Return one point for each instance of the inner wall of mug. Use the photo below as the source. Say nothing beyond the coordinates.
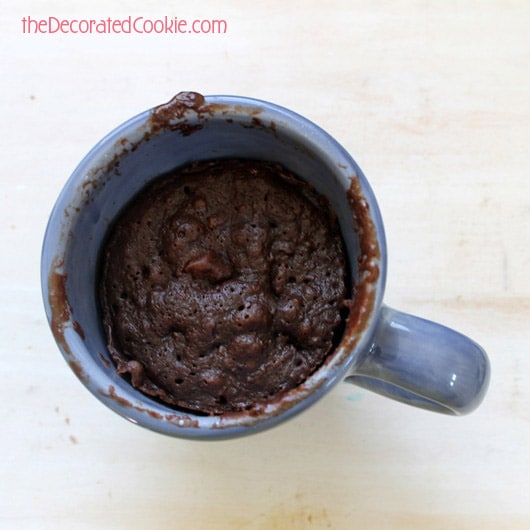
(115, 171)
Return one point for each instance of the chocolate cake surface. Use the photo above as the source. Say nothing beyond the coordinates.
(221, 285)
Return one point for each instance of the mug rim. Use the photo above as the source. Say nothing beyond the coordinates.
(187, 424)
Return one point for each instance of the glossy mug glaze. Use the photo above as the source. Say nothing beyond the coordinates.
(395, 354)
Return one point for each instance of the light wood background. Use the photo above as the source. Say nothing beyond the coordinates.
(433, 101)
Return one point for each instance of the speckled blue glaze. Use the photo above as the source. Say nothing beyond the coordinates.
(397, 355)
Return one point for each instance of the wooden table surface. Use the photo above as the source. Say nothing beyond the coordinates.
(433, 101)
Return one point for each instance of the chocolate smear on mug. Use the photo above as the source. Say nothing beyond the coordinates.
(368, 261)
(174, 114)
(60, 315)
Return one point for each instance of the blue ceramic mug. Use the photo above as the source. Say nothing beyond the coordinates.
(395, 354)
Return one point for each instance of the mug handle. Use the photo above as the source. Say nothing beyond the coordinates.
(424, 364)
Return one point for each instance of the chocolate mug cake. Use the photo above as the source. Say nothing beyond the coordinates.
(177, 279)
(222, 285)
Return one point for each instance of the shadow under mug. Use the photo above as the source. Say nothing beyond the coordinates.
(392, 353)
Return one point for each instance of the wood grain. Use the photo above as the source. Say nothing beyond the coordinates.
(432, 100)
